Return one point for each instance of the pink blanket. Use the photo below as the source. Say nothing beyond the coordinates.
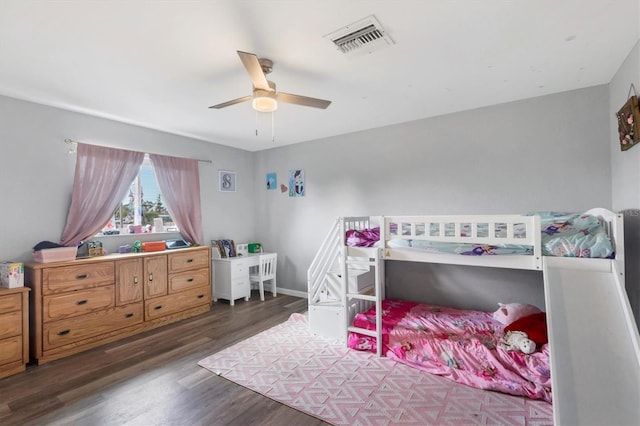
(461, 345)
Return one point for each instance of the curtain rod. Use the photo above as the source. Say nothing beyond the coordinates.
(71, 141)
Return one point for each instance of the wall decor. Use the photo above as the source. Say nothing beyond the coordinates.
(227, 181)
(296, 183)
(272, 181)
(629, 122)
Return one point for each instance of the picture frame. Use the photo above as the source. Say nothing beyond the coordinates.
(296, 183)
(271, 181)
(629, 123)
(227, 181)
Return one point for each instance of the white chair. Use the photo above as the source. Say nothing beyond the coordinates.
(266, 271)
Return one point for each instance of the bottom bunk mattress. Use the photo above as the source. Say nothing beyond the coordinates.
(462, 345)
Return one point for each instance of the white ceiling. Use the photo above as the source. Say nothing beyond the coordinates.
(161, 64)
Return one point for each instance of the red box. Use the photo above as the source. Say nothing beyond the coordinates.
(154, 246)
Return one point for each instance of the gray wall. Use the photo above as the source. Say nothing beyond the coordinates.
(626, 175)
(546, 153)
(37, 174)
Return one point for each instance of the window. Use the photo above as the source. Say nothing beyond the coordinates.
(139, 208)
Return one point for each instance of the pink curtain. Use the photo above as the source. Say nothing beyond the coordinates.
(179, 182)
(103, 176)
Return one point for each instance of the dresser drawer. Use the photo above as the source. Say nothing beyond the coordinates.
(10, 350)
(10, 324)
(188, 260)
(165, 305)
(74, 329)
(190, 279)
(76, 303)
(10, 303)
(77, 277)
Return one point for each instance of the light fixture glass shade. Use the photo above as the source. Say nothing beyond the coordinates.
(265, 104)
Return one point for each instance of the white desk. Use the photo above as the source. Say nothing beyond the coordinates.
(231, 277)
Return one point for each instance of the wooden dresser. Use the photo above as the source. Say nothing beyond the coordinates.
(14, 330)
(84, 303)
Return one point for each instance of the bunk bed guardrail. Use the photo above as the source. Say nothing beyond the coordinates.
(481, 230)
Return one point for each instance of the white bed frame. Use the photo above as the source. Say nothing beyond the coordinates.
(417, 228)
(607, 392)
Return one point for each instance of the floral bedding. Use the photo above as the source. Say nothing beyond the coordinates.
(461, 345)
(574, 235)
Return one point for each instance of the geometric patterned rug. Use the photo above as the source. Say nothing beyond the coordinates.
(327, 380)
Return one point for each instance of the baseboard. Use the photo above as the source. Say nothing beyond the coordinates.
(295, 293)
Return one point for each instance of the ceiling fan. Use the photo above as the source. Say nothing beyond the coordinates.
(264, 97)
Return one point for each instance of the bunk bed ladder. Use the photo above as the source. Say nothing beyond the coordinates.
(324, 285)
(341, 284)
(323, 282)
(360, 301)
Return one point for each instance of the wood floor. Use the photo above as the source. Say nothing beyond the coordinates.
(153, 378)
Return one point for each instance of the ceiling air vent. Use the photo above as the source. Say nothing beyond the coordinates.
(363, 36)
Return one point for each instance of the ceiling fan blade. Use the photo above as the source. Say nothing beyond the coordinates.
(302, 100)
(233, 102)
(252, 64)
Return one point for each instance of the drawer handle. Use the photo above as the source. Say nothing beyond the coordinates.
(81, 276)
(157, 307)
(189, 280)
(63, 332)
(135, 279)
(81, 302)
(189, 260)
(200, 296)
(129, 315)
(150, 277)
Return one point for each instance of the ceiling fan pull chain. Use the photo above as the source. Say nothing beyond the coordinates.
(256, 123)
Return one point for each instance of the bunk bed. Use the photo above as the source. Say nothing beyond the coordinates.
(591, 368)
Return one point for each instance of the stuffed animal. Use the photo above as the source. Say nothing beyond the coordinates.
(535, 325)
(510, 312)
(517, 341)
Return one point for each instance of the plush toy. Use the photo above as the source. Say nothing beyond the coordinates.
(510, 312)
(535, 325)
(517, 341)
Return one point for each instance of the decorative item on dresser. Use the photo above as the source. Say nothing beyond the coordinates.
(84, 303)
(14, 330)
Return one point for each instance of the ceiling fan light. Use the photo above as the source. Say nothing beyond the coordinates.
(265, 104)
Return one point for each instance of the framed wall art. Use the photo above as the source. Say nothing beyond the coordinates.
(296, 183)
(227, 181)
(272, 180)
(629, 123)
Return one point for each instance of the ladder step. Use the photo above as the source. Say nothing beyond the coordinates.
(362, 297)
(370, 333)
(329, 304)
(359, 262)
